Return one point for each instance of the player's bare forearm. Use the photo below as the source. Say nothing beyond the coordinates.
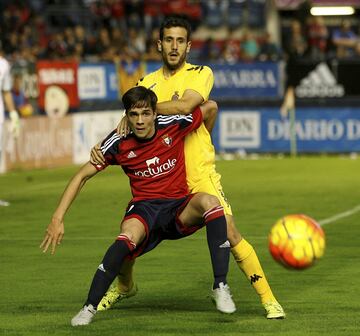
(209, 111)
(55, 230)
(185, 105)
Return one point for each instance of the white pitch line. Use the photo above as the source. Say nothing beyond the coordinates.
(339, 216)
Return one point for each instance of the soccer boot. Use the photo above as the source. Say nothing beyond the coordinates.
(113, 295)
(223, 300)
(274, 310)
(84, 316)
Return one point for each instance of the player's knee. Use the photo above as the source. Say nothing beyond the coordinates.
(209, 201)
(134, 230)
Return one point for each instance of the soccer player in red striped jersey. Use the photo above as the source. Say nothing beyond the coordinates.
(152, 156)
(180, 87)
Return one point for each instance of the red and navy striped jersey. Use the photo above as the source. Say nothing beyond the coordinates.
(155, 166)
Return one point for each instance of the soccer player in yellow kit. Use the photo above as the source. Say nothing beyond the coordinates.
(180, 87)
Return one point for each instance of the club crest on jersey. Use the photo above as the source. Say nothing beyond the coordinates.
(166, 140)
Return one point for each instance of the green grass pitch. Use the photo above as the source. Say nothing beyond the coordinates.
(40, 293)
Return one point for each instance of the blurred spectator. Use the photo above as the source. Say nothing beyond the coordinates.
(345, 40)
(69, 38)
(39, 31)
(191, 9)
(210, 51)
(103, 41)
(214, 12)
(118, 14)
(256, 13)
(235, 15)
(231, 51)
(129, 69)
(136, 42)
(295, 43)
(249, 47)
(134, 10)
(317, 37)
(25, 56)
(102, 12)
(152, 53)
(11, 44)
(57, 48)
(117, 38)
(77, 53)
(153, 14)
(21, 103)
(303, 12)
(269, 50)
(83, 40)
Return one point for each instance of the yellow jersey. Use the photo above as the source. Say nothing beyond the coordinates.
(199, 150)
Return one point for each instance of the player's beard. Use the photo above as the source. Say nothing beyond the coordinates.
(174, 66)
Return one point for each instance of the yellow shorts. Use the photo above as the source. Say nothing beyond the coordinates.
(212, 186)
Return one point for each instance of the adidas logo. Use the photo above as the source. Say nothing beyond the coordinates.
(101, 268)
(131, 155)
(225, 245)
(320, 82)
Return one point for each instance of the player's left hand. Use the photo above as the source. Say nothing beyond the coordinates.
(15, 123)
(123, 128)
(54, 235)
(96, 156)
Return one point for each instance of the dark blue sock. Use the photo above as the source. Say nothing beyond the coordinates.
(219, 246)
(108, 270)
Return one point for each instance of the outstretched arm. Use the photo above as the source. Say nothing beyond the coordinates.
(55, 230)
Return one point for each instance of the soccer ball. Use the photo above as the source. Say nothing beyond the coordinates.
(296, 241)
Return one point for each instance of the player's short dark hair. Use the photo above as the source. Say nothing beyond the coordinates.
(175, 20)
(139, 96)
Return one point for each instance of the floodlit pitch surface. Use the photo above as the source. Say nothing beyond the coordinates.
(41, 293)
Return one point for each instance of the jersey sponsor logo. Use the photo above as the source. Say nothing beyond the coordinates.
(166, 140)
(156, 168)
(155, 160)
(131, 155)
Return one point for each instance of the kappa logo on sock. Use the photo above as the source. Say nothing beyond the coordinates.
(225, 245)
(254, 278)
(101, 268)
